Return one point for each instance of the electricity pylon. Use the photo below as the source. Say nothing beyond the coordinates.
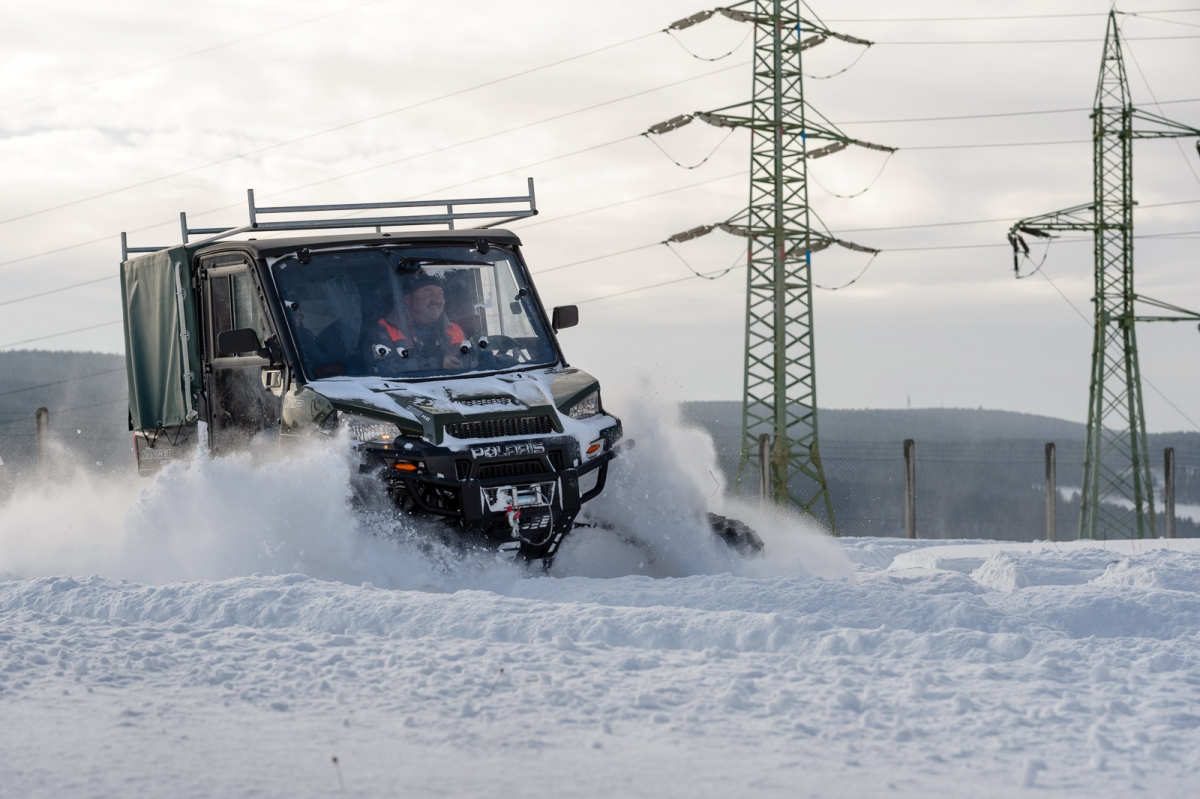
(780, 386)
(1117, 496)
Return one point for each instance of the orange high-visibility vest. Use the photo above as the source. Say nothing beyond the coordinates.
(396, 334)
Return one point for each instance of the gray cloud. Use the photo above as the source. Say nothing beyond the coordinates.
(944, 326)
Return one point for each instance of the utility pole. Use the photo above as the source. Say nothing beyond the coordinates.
(1117, 496)
(779, 382)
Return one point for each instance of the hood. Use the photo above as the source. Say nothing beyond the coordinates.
(427, 407)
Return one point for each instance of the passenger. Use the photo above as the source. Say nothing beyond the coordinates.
(417, 336)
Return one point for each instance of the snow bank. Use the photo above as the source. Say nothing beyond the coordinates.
(912, 683)
(241, 627)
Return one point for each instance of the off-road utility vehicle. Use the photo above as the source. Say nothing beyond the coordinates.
(428, 349)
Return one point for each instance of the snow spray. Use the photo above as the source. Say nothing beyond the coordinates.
(272, 510)
(261, 511)
(651, 518)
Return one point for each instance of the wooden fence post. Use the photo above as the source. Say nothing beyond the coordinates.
(910, 488)
(1169, 490)
(1051, 494)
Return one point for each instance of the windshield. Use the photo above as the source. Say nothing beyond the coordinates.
(411, 312)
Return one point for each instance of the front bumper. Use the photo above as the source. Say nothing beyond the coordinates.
(545, 480)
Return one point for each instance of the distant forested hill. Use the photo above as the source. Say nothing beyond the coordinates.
(980, 473)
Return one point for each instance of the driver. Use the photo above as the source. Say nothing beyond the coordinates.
(419, 327)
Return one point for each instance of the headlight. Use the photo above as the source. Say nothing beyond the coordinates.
(367, 430)
(587, 407)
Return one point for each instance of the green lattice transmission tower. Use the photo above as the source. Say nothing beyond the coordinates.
(780, 387)
(1117, 495)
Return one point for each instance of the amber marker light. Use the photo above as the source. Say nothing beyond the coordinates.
(405, 467)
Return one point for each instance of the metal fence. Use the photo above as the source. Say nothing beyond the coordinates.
(993, 490)
(963, 489)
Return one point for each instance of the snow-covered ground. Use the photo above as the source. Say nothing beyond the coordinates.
(240, 629)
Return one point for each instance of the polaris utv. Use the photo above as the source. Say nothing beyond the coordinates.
(428, 349)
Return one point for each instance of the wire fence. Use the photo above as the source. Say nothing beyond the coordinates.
(992, 490)
(964, 489)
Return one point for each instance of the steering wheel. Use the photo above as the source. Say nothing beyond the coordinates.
(506, 347)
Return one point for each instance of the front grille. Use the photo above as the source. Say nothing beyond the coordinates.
(462, 469)
(510, 469)
(556, 460)
(488, 401)
(500, 428)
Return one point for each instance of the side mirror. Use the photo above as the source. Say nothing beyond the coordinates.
(235, 342)
(565, 316)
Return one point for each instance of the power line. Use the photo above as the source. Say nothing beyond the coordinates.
(60, 382)
(192, 54)
(1159, 105)
(54, 411)
(443, 188)
(992, 116)
(60, 288)
(1088, 322)
(1142, 15)
(636, 199)
(56, 335)
(325, 131)
(988, 221)
(597, 258)
(659, 285)
(1016, 16)
(380, 166)
(994, 144)
(1041, 41)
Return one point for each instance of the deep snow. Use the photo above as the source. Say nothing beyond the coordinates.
(241, 628)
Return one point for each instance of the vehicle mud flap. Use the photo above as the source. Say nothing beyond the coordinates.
(740, 538)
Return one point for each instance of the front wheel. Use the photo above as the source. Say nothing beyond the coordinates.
(737, 535)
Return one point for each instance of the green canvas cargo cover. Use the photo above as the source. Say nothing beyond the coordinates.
(161, 344)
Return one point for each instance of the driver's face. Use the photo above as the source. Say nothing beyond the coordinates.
(425, 304)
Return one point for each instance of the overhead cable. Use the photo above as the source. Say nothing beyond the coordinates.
(843, 70)
(702, 275)
(192, 54)
(1041, 41)
(1158, 105)
(333, 129)
(60, 288)
(992, 116)
(635, 199)
(1143, 15)
(61, 382)
(699, 57)
(653, 286)
(852, 281)
(344, 175)
(1015, 16)
(863, 191)
(699, 163)
(56, 335)
(59, 411)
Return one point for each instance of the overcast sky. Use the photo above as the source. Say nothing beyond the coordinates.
(90, 108)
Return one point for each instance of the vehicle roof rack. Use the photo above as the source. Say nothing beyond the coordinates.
(518, 207)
